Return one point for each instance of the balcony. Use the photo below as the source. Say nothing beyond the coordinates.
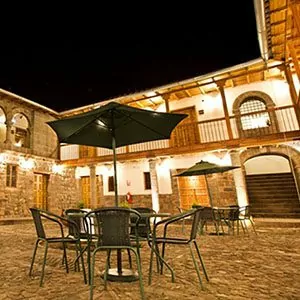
(262, 127)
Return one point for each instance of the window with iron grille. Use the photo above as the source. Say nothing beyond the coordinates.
(254, 120)
(147, 181)
(11, 175)
(21, 139)
(111, 185)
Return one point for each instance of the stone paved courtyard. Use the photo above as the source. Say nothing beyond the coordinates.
(266, 266)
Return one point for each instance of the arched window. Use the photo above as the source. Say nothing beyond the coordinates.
(20, 129)
(255, 114)
(2, 126)
(251, 121)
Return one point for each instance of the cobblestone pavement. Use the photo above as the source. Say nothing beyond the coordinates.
(263, 266)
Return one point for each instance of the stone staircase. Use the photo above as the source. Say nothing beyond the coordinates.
(273, 195)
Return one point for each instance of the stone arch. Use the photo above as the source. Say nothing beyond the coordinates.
(3, 127)
(20, 111)
(20, 127)
(269, 104)
(286, 151)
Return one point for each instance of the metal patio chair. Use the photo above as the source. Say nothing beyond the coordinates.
(112, 226)
(187, 240)
(44, 238)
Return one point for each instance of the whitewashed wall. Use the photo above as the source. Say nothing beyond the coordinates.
(278, 90)
(267, 164)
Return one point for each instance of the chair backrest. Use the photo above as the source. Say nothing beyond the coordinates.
(196, 217)
(111, 225)
(77, 215)
(245, 211)
(144, 228)
(40, 216)
(36, 215)
(234, 213)
(207, 213)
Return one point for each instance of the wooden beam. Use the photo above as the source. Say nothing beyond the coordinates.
(188, 93)
(293, 92)
(197, 84)
(202, 90)
(278, 9)
(296, 16)
(225, 108)
(294, 58)
(278, 22)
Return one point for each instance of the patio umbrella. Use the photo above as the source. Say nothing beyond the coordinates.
(114, 125)
(204, 168)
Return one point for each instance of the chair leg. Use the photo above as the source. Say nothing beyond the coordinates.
(244, 226)
(162, 261)
(65, 259)
(162, 255)
(201, 260)
(150, 266)
(92, 274)
(252, 223)
(33, 257)
(129, 258)
(81, 251)
(196, 266)
(107, 265)
(216, 227)
(44, 263)
(138, 262)
(76, 263)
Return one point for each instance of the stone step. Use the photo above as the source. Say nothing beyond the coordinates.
(279, 221)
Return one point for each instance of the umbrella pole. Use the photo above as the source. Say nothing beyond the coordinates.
(119, 254)
(209, 194)
(115, 169)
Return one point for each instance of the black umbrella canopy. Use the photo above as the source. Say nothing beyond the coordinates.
(113, 121)
(204, 167)
(114, 125)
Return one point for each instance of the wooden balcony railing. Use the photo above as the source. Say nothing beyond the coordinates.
(269, 122)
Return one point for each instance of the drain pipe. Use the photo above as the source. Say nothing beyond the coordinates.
(259, 9)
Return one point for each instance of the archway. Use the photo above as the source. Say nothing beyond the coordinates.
(271, 186)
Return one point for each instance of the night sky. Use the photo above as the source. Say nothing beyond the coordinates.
(65, 68)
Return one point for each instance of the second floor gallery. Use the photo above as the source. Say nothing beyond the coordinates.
(246, 115)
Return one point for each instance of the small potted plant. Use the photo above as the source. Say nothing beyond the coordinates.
(80, 205)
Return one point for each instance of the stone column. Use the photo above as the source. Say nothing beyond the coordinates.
(9, 135)
(93, 186)
(154, 185)
(239, 180)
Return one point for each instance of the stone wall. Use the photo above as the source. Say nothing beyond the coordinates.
(222, 189)
(43, 141)
(62, 190)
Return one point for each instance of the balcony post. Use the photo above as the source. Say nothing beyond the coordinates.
(225, 108)
(93, 186)
(292, 89)
(154, 185)
(166, 98)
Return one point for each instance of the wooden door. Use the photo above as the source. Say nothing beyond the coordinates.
(87, 151)
(186, 133)
(40, 190)
(85, 182)
(193, 190)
